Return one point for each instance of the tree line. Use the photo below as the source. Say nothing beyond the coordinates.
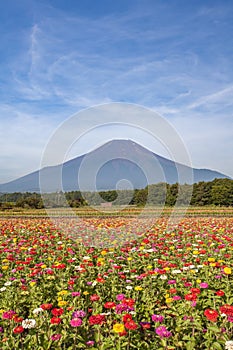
(218, 192)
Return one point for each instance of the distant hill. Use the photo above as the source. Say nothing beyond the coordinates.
(125, 160)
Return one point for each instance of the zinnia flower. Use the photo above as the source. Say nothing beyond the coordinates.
(163, 332)
(18, 329)
(29, 323)
(212, 315)
(55, 337)
(157, 318)
(76, 322)
(118, 328)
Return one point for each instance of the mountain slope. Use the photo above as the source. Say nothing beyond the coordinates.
(105, 167)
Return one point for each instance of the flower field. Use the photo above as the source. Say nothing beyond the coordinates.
(166, 289)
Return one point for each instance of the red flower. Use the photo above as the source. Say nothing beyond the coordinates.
(127, 318)
(227, 310)
(17, 319)
(220, 293)
(172, 291)
(129, 302)
(100, 279)
(94, 297)
(212, 315)
(96, 319)
(195, 290)
(131, 325)
(57, 312)
(18, 329)
(109, 305)
(46, 306)
(191, 297)
(55, 320)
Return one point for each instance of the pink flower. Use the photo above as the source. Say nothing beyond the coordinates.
(76, 322)
(204, 285)
(75, 294)
(8, 315)
(55, 336)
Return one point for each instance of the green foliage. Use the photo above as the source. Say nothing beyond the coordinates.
(218, 192)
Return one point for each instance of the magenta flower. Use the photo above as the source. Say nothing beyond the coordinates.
(162, 332)
(76, 322)
(90, 343)
(78, 314)
(176, 297)
(171, 282)
(120, 297)
(7, 315)
(157, 318)
(75, 294)
(55, 337)
(204, 285)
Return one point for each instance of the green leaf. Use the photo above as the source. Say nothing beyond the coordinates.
(190, 345)
(216, 346)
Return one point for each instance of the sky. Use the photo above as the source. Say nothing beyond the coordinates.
(59, 57)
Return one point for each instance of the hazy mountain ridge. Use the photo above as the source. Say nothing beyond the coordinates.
(121, 159)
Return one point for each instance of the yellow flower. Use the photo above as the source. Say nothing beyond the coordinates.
(62, 303)
(149, 266)
(32, 284)
(227, 270)
(62, 292)
(50, 277)
(118, 327)
(195, 252)
(43, 266)
(169, 300)
(103, 252)
(86, 292)
(49, 258)
(24, 292)
(129, 258)
(189, 248)
(167, 296)
(172, 247)
(211, 259)
(5, 267)
(166, 268)
(59, 298)
(198, 281)
(138, 288)
(5, 260)
(212, 264)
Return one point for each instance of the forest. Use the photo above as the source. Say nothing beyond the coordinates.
(218, 192)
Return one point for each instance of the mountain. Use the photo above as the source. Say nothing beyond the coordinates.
(111, 162)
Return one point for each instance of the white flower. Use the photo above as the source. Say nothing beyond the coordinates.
(129, 287)
(176, 271)
(29, 323)
(2, 289)
(86, 258)
(94, 284)
(229, 345)
(163, 277)
(8, 283)
(37, 310)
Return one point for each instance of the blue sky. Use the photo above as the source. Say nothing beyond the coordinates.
(58, 57)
